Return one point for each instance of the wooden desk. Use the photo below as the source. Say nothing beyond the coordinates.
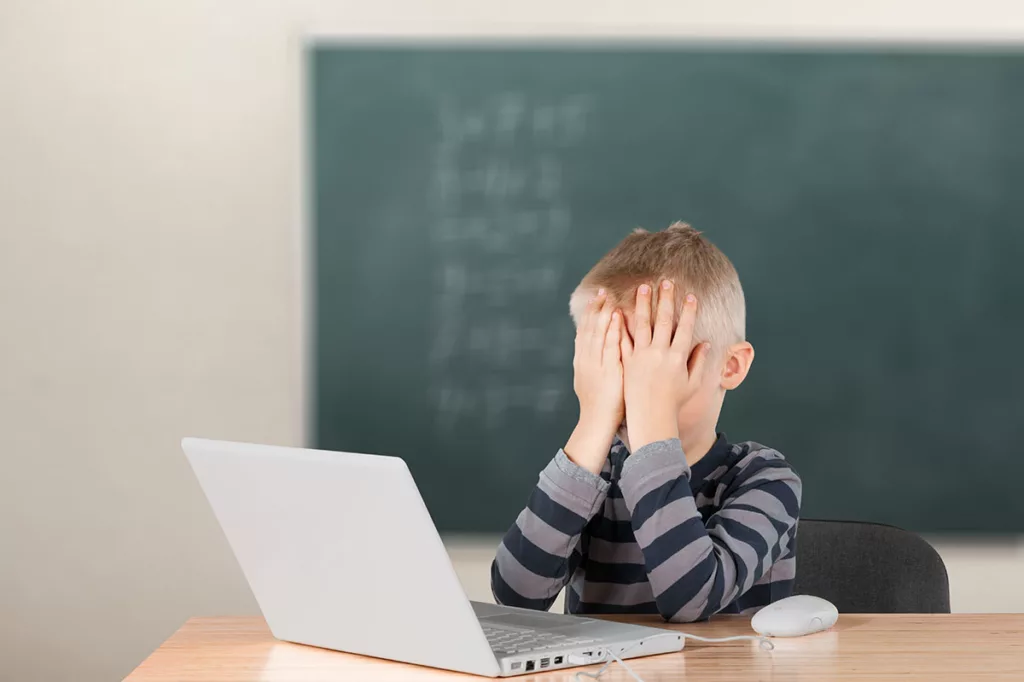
(958, 648)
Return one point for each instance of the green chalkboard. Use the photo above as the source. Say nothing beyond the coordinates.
(872, 201)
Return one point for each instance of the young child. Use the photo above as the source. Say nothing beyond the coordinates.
(647, 509)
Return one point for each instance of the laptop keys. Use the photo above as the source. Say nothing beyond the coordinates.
(519, 641)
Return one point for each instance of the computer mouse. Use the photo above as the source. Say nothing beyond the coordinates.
(794, 616)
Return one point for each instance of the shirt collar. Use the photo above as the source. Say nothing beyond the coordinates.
(715, 457)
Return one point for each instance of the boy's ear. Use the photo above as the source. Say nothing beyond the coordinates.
(738, 359)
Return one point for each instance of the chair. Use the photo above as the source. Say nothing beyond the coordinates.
(869, 568)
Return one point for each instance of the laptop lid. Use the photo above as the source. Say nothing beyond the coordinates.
(340, 552)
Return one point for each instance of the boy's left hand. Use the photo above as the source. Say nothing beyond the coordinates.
(660, 372)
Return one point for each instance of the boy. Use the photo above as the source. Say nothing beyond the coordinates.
(647, 509)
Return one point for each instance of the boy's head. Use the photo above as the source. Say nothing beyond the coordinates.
(695, 265)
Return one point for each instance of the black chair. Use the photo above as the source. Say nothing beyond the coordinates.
(869, 568)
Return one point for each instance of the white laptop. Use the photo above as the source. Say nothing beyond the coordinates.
(341, 553)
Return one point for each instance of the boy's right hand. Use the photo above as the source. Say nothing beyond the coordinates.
(597, 380)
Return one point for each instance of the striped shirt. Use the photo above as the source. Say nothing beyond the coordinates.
(652, 535)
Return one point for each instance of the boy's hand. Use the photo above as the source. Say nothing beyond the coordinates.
(661, 372)
(597, 380)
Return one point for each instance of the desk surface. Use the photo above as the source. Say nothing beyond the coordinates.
(861, 647)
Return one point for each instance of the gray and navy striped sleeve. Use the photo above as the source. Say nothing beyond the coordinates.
(696, 568)
(539, 552)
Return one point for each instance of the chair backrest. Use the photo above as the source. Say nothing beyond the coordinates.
(869, 568)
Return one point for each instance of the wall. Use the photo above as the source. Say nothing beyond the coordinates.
(150, 284)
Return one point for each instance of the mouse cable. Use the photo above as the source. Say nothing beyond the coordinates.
(763, 642)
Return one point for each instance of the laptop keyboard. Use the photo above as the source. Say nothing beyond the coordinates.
(516, 641)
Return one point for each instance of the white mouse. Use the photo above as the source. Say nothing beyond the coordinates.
(794, 616)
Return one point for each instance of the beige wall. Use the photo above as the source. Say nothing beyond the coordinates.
(150, 288)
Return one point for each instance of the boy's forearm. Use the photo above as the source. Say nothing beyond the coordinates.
(694, 569)
(539, 552)
(656, 489)
(590, 442)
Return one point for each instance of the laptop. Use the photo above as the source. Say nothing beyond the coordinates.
(341, 553)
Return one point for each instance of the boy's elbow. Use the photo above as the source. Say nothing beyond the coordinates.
(690, 613)
(692, 599)
(504, 593)
(497, 585)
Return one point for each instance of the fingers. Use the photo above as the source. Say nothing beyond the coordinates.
(683, 340)
(665, 316)
(625, 342)
(612, 351)
(602, 320)
(698, 359)
(642, 337)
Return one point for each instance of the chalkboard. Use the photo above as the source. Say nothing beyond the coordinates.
(872, 201)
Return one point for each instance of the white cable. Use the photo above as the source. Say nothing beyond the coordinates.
(609, 652)
(763, 642)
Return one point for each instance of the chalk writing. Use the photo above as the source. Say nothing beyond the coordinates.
(500, 225)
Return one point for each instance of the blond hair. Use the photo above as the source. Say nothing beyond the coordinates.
(681, 254)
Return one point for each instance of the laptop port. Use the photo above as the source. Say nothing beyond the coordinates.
(516, 665)
(529, 666)
(558, 660)
(545, 662)
(587, 653)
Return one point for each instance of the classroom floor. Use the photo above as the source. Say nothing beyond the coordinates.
(984, 576)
